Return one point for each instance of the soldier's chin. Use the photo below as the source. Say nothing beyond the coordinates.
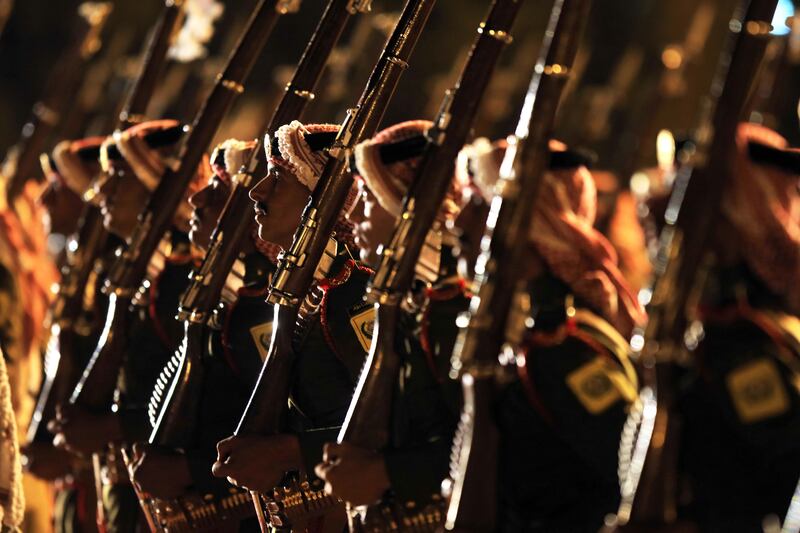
(263, 233)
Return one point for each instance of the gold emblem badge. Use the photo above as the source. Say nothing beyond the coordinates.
(362, 320)
(757, 391)
(262, 335)
(597, 385)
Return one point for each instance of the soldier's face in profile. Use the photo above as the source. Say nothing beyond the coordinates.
(373, 224)
(279, 201)
(207, 204)
(122, 198)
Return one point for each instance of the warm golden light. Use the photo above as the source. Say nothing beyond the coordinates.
(665, 149)
(672, 57)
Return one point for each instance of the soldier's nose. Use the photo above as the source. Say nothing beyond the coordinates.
(257, 192)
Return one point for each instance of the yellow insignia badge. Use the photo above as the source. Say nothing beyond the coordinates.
(757, 391)
(363, 324)
(594, 385)
(262, 335)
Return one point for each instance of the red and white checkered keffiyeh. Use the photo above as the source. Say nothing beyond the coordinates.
(478, 165)
(229, 156)
(390, 182)
(763, 205)
(563, 235)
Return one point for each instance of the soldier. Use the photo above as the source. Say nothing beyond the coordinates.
(42, 459)
(239, 337)
(742, 406)
(329, 346)
(153, 334)
(73, 166)
(570, 383)
(425, 415)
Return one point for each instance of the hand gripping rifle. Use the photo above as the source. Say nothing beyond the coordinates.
(474, 470)
(95, 389)
(178, 417)
(296, 268)
(61, 86)
(648, 467)
(92, 240)
(367, 422)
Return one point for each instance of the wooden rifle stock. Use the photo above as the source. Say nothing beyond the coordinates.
(61, 86)
(128, 272)
(296, 268)
(367, 421)
(178, 415)
(473, 492)
(694, 206)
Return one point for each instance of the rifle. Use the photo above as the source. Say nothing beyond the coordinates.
(472, 490)
(178, 416)
(297, 267)
(95, 388)
(63, 83)
(92, 241)
(154, 60)
(647, 480)
(367, 422)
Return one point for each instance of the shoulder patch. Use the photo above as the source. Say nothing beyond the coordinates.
(362, 320)
(262, 336)
(757, 391)
(598, 386)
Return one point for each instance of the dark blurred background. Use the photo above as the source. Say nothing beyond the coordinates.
(645, 65)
